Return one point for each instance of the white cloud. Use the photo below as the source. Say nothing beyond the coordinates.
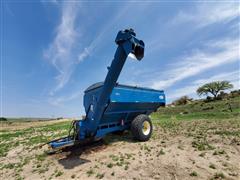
(60, 101)
(59, 52)
(215, 53)
(230, 76)
(97, 40)
(233, 77)
(199, 61)
(85, 53)
(207, 13)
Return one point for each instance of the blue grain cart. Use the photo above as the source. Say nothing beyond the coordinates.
(112, 107)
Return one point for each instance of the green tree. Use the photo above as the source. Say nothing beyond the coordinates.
(214, 88)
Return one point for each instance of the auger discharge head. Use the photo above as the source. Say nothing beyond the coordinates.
(137, 46)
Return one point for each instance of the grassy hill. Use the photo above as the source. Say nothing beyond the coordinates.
(199, 109)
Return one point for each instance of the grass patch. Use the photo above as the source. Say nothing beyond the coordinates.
(229, 133)
(169, 117)
(194, 173)
(219, 152)
(31, 136)
(100, 175)
(90, 172)
(161, 152)
(219, 176)
(114, 157)
(212, 166)
(110, 165)
(58, 173)
(202, 154)
(41, 157)
(202, 145)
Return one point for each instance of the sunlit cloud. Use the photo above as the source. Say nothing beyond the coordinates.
(60, 50)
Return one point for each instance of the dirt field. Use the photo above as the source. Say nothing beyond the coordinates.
(18, 125)
(196, 149)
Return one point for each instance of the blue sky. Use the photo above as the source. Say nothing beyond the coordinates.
(52, 50)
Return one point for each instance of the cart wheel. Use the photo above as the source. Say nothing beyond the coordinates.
(141, 127)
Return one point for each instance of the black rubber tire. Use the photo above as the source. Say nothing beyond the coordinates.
(136, 127)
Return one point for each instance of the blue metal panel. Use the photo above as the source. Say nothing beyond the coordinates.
(124, 94)
(127, 94)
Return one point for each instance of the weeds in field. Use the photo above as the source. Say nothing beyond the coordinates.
(8, 166)
(202, 145)
(212, 166)
(41, 157)
(114, 157)
(194, 173)
(90, 172)
(219, 176)
(31, 136)
(18, 177)
(146, 148)
(224, 164)
(96, 167)
(44, 169)
(109, 165)
(235, 133)
(58, 173)
(100, 175)
(202, 154)
(219, 152)
(161, 152)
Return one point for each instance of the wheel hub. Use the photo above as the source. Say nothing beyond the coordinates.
(146, 128)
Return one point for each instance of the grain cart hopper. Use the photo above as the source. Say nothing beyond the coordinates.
(112, 107)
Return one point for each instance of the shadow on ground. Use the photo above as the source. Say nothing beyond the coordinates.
(70, 157)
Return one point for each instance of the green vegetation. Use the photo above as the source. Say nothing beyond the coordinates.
(99, 175)
(212, 166)
(199, 109)
(219, 152)
(110, 165)
(202, 145)
(31, 136)
(58, 173)
(214, 88)
(161, 152)
(90, 172)
(194, 173)
(219, 175)
(120, 160)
